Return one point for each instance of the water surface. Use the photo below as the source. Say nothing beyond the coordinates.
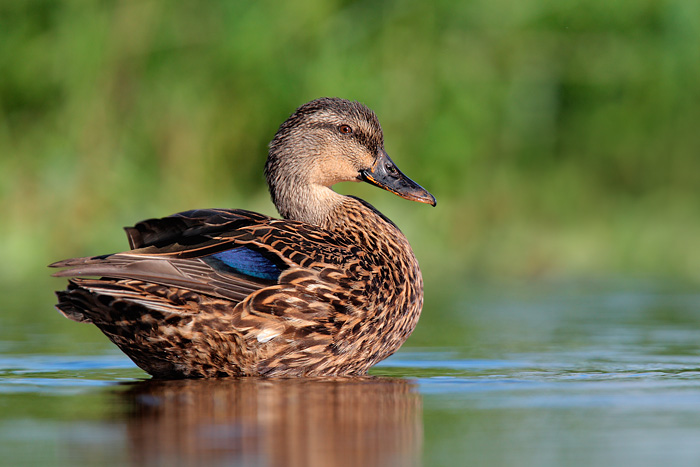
(509, 375)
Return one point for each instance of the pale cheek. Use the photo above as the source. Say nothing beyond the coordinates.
(335, 170)
(341, 173)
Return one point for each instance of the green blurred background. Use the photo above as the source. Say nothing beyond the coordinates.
(561, 138)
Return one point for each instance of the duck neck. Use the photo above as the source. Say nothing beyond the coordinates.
(308, 203)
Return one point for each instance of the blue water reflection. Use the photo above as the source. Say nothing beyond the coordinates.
(528, 378)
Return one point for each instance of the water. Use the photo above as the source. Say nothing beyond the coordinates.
(512, 375)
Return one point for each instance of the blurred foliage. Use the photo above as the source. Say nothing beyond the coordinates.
(559, 137)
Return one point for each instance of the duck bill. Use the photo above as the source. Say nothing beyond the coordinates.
(385, 174)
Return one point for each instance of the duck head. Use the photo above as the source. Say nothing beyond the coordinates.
(324, 142)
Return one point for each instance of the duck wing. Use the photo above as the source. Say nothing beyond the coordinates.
(228, 254)
(191, 227)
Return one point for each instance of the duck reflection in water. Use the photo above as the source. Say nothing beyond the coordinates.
(254, 421)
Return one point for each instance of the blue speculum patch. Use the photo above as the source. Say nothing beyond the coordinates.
(244, 261)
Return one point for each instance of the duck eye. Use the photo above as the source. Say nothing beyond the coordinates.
(345, 129)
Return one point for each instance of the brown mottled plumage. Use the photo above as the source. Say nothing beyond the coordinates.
(331, 289)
